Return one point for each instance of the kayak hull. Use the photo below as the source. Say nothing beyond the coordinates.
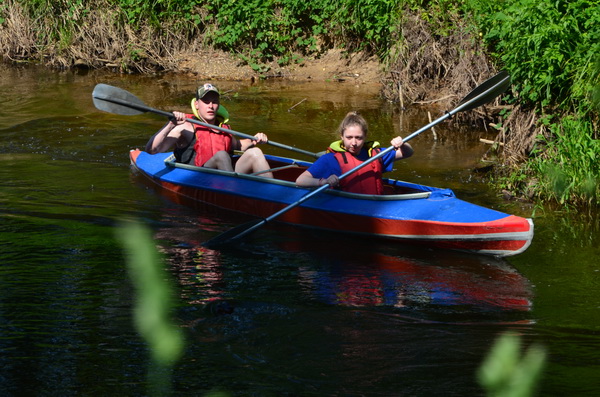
(409, 213)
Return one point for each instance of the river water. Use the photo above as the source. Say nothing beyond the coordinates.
(287, 313)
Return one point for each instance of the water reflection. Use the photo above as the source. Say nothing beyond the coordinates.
(384, 280)
(317, 313)
(432, 285)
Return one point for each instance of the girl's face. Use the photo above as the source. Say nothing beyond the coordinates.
(353, 139)
(207, 107)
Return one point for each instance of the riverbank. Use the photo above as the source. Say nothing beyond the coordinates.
(419, 55)
(210, 64)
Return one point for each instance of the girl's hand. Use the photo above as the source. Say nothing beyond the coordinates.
(397, 142)
(332, 180)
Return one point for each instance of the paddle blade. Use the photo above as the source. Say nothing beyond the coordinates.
(116, 100)
(487, 91)
(233, 235)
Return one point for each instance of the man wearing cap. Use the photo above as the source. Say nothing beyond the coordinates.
(206, 147)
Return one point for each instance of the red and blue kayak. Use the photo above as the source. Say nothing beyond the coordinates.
(406, 212)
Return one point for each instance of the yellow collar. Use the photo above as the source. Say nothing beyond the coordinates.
(222, 113)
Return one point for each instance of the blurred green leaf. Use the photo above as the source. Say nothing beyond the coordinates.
(152, 312)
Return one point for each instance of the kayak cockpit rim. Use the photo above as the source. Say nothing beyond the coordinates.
(170, 162)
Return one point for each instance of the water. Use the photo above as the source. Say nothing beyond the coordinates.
(287, 313)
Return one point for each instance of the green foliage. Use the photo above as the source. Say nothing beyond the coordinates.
(505, 374)
(259, 30)
(571, 164)
(153, 304)
(548, 47)
(566, 170)
(264, 30)
(441, 15)
(156, 13)
(57, 18)
(369, 24)
(596, 87)
(552, 51)
(264, 34)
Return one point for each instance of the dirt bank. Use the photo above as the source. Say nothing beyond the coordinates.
(332, 66)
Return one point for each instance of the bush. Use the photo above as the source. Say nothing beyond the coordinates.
(552, 51)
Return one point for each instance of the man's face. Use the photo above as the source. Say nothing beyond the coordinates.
(207, 106)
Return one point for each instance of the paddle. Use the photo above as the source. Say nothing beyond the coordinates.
(482, 94)
(118, 101)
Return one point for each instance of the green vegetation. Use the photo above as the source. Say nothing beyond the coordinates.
(154, 294)
(505, 374)
(262, 30)
(550, 48)
(265, 30)
(152, 310)
(552, 51)
(259, 30)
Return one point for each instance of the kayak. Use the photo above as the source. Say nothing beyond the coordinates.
(406, 212)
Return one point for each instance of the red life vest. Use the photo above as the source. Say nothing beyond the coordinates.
(366, 180)
(208, 142)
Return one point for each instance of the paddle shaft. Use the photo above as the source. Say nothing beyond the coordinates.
(477, 97)
(144, 108)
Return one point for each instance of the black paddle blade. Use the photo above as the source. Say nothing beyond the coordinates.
(116, 100)
(488, 90)
(233, 235)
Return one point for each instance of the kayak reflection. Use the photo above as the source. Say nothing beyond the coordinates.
(336, 271)
(367, 275)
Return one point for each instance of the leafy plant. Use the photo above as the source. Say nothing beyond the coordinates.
(544, 44)
(154, 296)
(571, 164)
(552, 51)
(265, 30)
(504, 373)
